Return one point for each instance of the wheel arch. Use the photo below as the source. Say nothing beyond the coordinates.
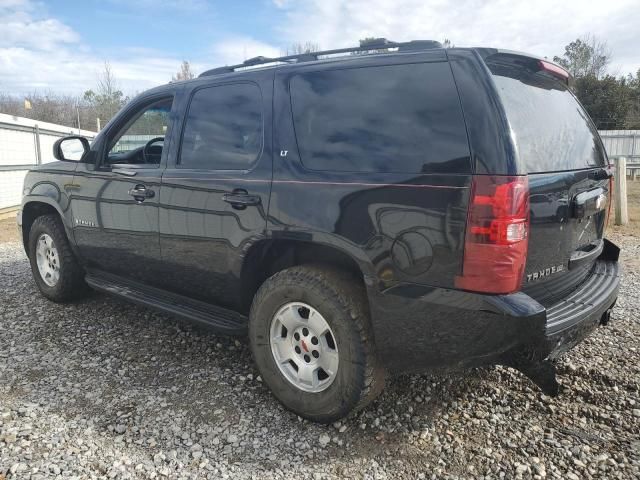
(269, 256)
(36, 207)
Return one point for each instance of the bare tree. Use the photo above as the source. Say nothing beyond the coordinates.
(107, 84)
(49, 107)
(11, 105)
(585, 57)
(185, 72)
(447, 43)
(44, 106)
(107, 99)
(299, 48)
(70, 110)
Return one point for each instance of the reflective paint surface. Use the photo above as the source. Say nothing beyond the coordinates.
(402, 232)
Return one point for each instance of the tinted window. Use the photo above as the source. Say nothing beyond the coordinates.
(552, 131)
(223, 129)
(401, 118)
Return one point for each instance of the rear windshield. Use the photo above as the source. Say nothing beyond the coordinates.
(552, 131)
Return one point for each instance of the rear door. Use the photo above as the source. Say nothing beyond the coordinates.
(559, 147)
(377, 163)
(214, 197)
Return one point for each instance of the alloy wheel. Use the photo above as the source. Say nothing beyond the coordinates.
(304, 347)
(48, 260)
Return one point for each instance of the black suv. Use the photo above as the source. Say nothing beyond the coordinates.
(396, 207)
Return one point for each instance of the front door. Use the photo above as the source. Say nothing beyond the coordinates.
(214, 199)
(115, 199)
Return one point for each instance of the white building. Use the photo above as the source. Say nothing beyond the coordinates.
(25, 143)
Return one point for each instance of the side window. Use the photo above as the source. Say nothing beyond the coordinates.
(141, 140)
(395, 118)
(223, 128)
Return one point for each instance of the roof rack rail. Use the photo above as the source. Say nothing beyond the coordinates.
(369, 45)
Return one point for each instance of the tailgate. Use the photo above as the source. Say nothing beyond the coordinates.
(559, 148)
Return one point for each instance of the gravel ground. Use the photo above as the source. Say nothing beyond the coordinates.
(104, 389)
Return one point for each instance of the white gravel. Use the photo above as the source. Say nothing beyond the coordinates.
(105, 389)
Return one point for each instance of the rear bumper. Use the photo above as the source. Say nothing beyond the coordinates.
(419, 328)
(571, 319)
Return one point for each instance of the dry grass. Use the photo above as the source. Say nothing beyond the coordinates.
(633, 204)
(9, 230)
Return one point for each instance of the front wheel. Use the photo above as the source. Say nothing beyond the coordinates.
(312, 343)
(54, 266)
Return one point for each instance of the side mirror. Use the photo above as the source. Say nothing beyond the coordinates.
(71, 148)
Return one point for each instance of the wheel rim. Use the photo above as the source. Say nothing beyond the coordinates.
(304, 347)
(48, 260)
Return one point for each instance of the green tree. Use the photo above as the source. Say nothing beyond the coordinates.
(607, 100)
(586, 56)
(612, 103)
(632, 121)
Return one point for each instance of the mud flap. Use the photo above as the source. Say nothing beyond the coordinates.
(541, 371)
(543, 374)
(606, 316)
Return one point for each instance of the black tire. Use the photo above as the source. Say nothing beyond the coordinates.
(341, 299)
(71, 284)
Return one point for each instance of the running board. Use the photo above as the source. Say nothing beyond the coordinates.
(220, 319)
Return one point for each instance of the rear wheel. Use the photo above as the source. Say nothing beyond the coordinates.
(311, 340)
(53, 264)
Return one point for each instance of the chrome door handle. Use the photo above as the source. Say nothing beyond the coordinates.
(240, 199)
(140, 193)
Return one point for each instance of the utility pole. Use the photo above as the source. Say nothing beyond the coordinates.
(78, 114)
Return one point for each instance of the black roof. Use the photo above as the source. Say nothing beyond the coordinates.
(371, 46)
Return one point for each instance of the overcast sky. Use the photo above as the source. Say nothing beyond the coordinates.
(61, 45)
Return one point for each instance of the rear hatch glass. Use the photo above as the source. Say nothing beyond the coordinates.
(560, 150)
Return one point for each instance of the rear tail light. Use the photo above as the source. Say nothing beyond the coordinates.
(554, 70)
(496, 240)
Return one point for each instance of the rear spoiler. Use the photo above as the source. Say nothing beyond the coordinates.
(525, 60)
(555, 70)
